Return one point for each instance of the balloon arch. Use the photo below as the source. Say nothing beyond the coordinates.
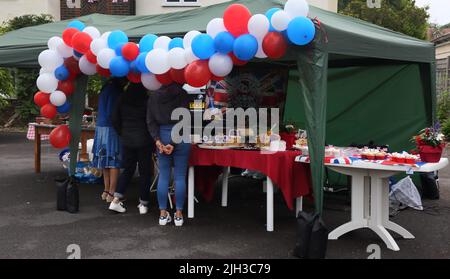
(195, 59)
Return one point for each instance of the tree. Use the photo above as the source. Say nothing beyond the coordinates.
(22, 82)
(399, 15)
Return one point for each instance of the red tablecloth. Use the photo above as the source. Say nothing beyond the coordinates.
(293, 179)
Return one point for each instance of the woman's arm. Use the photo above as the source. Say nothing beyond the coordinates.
(152, 125)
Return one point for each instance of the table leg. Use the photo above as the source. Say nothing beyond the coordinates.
(37, 150)
(269, 205)
(226, 171)
(298, 205)
(367, 197)
(377, 210)
(84, 155)
(358, 221)
(386, 223)
(191, 201)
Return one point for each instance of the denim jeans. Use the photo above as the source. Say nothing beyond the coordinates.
(179, 161)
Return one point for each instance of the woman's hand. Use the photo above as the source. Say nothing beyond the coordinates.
(159, 146)
(168, 149)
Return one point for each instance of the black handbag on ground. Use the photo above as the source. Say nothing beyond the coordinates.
(430, 186)
(67, 195)
(312, 236)
(61, 192)
(73, 196)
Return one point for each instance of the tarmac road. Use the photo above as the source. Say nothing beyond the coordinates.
(30, 227)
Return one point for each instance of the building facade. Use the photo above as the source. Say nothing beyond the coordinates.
(67, 9)
(443, 63)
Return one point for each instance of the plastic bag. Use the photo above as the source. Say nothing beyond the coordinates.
(312, 237)
(405, 193)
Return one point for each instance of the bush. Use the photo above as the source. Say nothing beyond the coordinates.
(443, 107)
(446, 129)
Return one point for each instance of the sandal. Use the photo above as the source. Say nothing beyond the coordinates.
(109, 198)
(105, 195)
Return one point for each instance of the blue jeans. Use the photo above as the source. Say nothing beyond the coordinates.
(179, 160)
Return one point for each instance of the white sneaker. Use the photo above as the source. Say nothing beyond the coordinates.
(117, 207)
(142, 209)
(165, 220)
(178, 220)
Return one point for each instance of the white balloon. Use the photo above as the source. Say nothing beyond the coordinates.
(215, 26)
(157, 61)
(105, 56)
(54, 42)
(50, 59)
(150, 82)
(97, 45)
(65, 50)
(258, 25)
(280, 20)
(177, 58)
(92, 31)
(58, 98)
(260, 53)
(162, 42)
(105, 36)
(296, 8)
(45, 71)
(187, 40)
(87, 67)
(220, 64)
(47, 83)
(190, 56)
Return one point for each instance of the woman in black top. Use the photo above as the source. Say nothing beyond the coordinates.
(160, 107)
(129, 120)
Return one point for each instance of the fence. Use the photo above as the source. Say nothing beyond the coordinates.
(442, 75)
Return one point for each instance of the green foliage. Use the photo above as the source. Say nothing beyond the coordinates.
(446, 129)
(22, 82)
(399, 15)
(443, 107)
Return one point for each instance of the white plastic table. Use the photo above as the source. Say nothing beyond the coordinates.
(370, 198)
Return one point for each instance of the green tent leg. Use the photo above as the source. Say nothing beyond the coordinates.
(313, 69)
(78, 100)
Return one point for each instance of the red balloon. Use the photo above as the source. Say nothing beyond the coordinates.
(134, 77)
(41, 99)
(60, 136)
(237, 61)
(68, 35)
(67, 87)
(90, 56)
(164, 79)
(72, 65)
(274, 45)
(177, 76)
(48, 111)
(236, 19)
(103, 72)
(197, 74)
(81, 42)
(130, 51)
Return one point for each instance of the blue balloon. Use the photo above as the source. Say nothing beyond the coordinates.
(62, 73)
(64, 108)
(77, 54)
(147, 42)
(119, 67)
(176, 42)
(245, 47)
(76, 24)
(224, 42)
(118, 49)
(269, 15)
(140, 63)
(115, 38)
(203, 46)
(133, 67)
(301, 31)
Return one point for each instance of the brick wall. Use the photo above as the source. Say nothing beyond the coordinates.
(100, 6)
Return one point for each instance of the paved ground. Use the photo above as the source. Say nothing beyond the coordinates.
(30, 227)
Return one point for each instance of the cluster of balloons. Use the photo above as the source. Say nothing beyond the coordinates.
(195, 59)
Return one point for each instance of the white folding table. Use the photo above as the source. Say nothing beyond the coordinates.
(370, 197)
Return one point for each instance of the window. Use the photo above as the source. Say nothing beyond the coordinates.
(182, 3)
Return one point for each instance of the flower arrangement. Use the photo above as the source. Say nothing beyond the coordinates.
(430, 143)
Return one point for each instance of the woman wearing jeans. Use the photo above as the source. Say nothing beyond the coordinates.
(159, 110)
